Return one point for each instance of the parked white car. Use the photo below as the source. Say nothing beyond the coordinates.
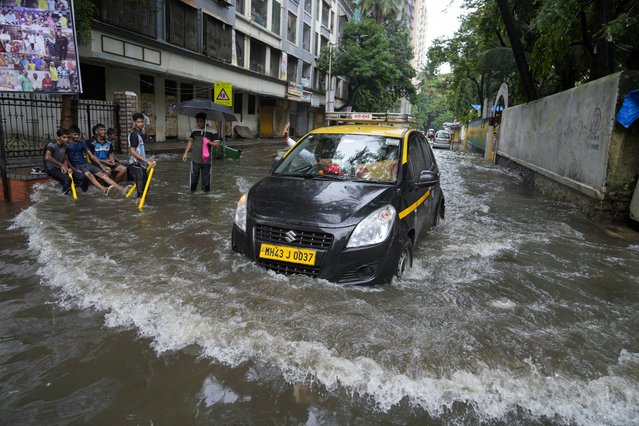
(443, 139)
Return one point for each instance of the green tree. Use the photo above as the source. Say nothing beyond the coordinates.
(479, 61)
(558, 44)
(581, 40)
(381, 11)
(376, 62)
(432, 108)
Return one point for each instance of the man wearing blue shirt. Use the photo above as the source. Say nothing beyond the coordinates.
(76, 151)
(103, 150)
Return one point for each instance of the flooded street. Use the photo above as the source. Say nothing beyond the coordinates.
(517, 310)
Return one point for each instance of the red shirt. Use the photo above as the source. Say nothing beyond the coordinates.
(47, 83)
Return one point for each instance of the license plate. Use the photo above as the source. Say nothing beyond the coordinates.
(288, 254)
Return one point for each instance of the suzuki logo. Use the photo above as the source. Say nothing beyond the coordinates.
(290, 236)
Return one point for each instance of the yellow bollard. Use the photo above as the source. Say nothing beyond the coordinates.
(75, 194)
(128, 194)
(146, 187)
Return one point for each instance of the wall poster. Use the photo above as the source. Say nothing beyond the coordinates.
(38, 49)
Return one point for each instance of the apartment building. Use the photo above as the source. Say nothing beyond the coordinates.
(419, 29)
(169, 51)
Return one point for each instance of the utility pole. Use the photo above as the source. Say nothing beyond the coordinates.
(330, 97)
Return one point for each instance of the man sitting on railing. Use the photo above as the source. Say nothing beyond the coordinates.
(103, 150)
(76, 150)
(56, 163)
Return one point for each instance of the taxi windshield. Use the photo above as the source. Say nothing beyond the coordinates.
(345, 157)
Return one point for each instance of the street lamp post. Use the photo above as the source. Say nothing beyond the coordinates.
(330, 96)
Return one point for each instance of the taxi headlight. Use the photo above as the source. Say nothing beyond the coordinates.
(240, 212)
(374, 229)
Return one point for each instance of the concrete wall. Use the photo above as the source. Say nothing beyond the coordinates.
(572, 138)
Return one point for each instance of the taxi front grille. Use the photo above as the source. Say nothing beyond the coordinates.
(289, 269)
(305, 239)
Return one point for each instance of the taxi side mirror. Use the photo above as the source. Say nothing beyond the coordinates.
(428, 178)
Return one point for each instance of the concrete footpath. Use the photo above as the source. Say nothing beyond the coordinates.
(177, 147)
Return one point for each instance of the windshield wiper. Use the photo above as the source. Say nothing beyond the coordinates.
(302, 175)
(330, 177)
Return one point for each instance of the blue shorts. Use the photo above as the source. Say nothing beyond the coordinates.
(88, 168)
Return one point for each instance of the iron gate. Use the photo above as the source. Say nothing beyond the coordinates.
(28, 121)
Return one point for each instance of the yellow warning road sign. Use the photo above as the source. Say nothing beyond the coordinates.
(223, 93)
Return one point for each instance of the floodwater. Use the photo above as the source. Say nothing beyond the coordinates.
(518, 310)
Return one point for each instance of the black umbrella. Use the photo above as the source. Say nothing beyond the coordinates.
(212, 110)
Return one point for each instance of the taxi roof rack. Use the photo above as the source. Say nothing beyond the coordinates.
(371, 118)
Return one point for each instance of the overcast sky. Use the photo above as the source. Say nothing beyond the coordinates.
(443, 18)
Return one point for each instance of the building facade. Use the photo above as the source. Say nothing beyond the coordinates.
(169, 51)
(419, 24)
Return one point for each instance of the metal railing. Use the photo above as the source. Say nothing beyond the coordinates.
(30, 120)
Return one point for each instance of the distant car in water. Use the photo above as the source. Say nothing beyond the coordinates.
(430, 136)
(443, 139)
(348, 203)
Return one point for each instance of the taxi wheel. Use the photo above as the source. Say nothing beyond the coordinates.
(439, 216)
(405, 259)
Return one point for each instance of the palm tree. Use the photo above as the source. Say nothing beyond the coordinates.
(381, 10)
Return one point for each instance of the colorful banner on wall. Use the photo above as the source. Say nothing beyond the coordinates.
(38, 49)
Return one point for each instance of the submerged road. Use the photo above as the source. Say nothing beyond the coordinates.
(518, 310)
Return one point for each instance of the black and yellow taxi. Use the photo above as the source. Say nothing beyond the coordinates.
(347, 203)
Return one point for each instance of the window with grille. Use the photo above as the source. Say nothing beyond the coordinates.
(325, 13)
(217, 39)
(276, 18)
(239, 48)
(341, 25)
(181, 25)
(306, 38)
(292, 68)
(306, 74)
(259, 9)
(275, 63)
(292, 28)
(258, 56)
(117, 13)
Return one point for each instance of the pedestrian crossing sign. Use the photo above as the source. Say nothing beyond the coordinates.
(223, 93)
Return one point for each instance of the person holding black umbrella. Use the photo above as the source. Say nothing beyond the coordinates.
(200, 142)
